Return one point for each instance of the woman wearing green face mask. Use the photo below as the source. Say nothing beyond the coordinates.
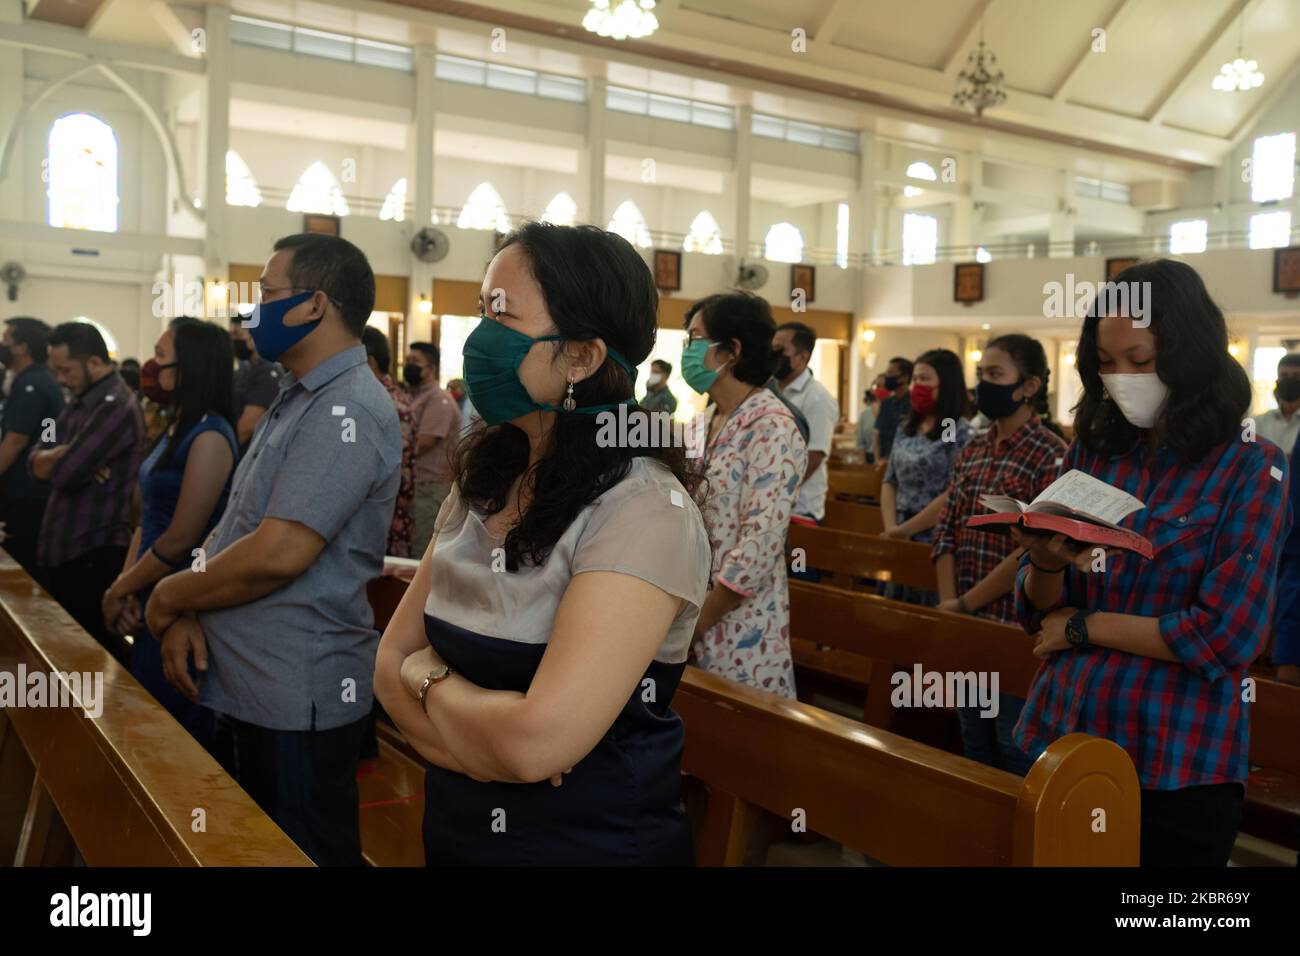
(754, 460)
(563, 581)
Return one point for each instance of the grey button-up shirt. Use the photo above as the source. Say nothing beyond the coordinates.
(327, 454)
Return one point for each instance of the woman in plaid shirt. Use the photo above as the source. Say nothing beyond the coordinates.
(1157, 650)
(976, 567)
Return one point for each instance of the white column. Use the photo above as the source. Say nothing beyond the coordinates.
(216, 140)
(591, 162)
(862, 201)
(1060, 224)
(421, 187)
(741, 176)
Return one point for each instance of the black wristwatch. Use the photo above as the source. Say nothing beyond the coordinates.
(1076, 631)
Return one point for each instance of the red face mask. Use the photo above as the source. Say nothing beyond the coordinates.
(881, 392)
(923, 399)
(149, 386)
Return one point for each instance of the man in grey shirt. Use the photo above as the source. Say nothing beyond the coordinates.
(273, 609)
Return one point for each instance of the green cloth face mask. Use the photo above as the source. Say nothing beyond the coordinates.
(493, 353)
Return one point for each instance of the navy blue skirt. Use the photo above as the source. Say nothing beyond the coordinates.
(621, 805)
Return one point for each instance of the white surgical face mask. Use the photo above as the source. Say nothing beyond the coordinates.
(1140, 397)
(654, 379)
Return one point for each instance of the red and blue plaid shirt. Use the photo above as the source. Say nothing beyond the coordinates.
(1216, 528)
(1022, 466)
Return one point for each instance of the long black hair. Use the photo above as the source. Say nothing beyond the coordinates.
(596, 285)
(204, 380)
(1209, 393)
(951, 400)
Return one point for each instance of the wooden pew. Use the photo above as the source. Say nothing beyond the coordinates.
(122, 787)
(855, 480)
(851, 555)
(895, 800)
(852, 516)
(871, 637)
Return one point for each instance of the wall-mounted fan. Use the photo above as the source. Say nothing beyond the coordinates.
(430, 245)
(751, 276)
(12, 274)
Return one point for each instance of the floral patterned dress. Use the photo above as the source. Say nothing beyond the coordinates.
(403, 526)
(754, 467)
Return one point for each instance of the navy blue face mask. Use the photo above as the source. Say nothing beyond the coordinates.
(266, 325)
(996, 401)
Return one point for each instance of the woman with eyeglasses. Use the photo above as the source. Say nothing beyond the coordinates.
(534, 657)
(754, 459)
(182, 492)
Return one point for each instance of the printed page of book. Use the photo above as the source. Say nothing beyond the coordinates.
(1003, 503)
(1078, 494)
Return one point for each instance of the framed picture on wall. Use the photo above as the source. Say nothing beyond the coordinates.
(1115, 266)
(1286, 271)
(804, 277)
(320, 223)
(968, 282)
(668, 270)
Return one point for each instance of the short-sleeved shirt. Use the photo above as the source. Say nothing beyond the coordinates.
(1275, 427)
(822, 411)
(34, 399)
(327, 454)
(436, 416)
(660, 401)
(920, 469)
(1022, 466)
(257, 382)
(646, 525)
(893, 411)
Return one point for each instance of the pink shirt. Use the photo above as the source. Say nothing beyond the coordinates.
(438, 416)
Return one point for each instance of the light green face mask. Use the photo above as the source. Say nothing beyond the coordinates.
(697, 376)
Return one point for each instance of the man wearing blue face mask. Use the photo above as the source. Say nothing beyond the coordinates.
(277, 624)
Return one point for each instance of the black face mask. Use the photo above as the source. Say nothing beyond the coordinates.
(242, 351)
(1288, 389)
(412, 375)
(996, 401)
(891, 382)
(783, 368)
(6, 356)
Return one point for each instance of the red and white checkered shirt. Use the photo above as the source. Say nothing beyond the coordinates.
(1022, 466)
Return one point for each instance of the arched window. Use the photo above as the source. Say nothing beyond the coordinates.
(484, 210)
(318, 191)
(920, 239)
(784, 243)
(82, 171)
(240, 188)
(395, 202)
(704, 235)
(109, 340)
(919, 170)
(562, 210)
(630, 224)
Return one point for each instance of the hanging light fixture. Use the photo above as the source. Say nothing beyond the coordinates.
(979, 86)
(621, 19)
(1240, 74)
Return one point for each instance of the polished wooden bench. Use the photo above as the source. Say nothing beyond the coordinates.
(853, 516)
(851, 556)
(863, 639)
(859, 481)
(123, 787)
(895, 800)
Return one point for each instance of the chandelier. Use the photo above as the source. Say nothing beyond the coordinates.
(621, 19)
(979, 86)
(1240, 74)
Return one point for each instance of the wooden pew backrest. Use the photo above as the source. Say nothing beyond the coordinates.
(858, 480)
(893, 799)
(849, 516)
(865, 555)
(127, 783)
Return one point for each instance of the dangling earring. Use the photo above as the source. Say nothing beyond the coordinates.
(569, 404)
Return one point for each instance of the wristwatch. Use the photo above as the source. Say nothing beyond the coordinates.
(1076, 631)
(435, 676)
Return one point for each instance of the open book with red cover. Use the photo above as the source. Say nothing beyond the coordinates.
(1083, 508)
